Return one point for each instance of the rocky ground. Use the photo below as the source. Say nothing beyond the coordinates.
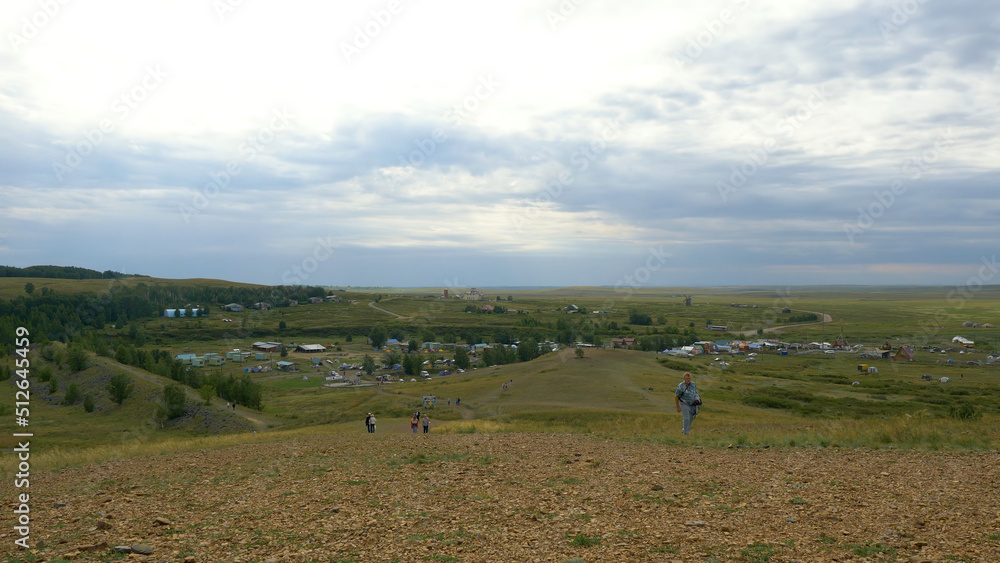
(516, 497)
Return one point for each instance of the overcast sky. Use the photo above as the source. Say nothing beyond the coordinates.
(458, 143)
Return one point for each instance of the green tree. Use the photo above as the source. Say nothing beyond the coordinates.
(527, 350)
(173, 399)
(284, 352)
(411, 364)
(639, 318)
(121, 387)
(77, 359)
(368, 364)
(461, 358)
(378, 336)
(579, 353)
(282, 325)
(72, 394)
(412, 345)
(160, 414)
(29, 288)
(88, 402)
(392, 357)
(53, 385)
(207, 393)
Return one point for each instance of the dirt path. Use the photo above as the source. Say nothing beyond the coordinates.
(776, 329)
(376, 307)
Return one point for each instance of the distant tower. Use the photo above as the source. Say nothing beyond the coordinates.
(687, 300)
(446, 293)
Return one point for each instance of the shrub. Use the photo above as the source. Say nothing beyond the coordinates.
(965, 411)
(72, 394)
(88, 403)
(173, 399)
(121, 387)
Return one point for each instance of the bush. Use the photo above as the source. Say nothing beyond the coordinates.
(121, 387)
(965, 411)
(72, 394)
(173, 399)
(44, 373)
(88, 403)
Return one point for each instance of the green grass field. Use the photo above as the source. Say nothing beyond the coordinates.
(798, 400)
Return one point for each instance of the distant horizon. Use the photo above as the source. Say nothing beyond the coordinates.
(519, 287)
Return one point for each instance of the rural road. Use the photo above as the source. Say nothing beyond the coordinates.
(374, 306)
(775, 329)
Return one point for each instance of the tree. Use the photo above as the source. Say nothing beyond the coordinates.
(282, 325)
(411, 364)
(121, 387)
(160, 414)
(638, 318)
(461, 358)
(412, 345)
(72, 394)
(378, 336)
(368, 364)
(29, 288)
(173, 400)
(53, 385)
(77, 359)
(284, 352)
(392, 358)
(206, 392)
(88, 403)
(527, 350)
(579, 353)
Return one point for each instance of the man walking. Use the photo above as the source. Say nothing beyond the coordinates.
(687, 400)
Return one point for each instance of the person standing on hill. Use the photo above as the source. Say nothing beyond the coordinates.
(687, 400)
(372, 428)
(427, 424)
(414, 422)
(368, 422)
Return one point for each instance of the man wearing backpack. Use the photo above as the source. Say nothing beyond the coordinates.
(687, 400)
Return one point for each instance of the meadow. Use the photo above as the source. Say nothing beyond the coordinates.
(804, 399)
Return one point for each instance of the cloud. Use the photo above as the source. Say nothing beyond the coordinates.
(758, 142)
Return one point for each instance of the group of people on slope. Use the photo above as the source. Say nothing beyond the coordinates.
(685, 397)
(416, 421)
